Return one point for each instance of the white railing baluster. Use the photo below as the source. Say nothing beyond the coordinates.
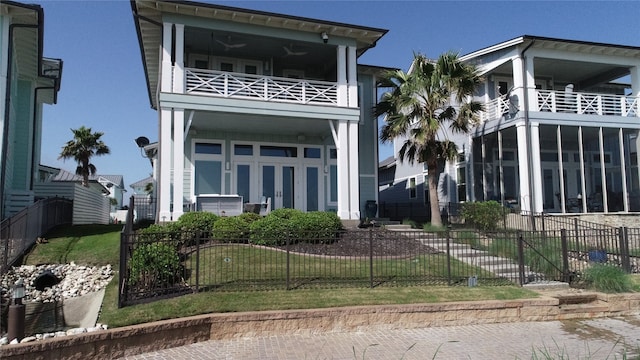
(266, 88)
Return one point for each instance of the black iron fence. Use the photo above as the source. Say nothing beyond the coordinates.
(19, 232)
(171, 264)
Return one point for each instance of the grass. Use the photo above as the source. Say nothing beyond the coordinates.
(99, 245)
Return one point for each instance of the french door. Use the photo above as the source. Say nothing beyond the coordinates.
(278, 181)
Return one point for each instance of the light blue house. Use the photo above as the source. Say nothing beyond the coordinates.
(27, 81)
(559, 132)
(257, 105)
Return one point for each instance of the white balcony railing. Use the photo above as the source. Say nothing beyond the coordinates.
(260, 87)
(569, 102)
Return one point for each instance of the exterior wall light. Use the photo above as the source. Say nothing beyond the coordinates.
(325, 37)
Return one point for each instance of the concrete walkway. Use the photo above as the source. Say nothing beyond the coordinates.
(602, 338)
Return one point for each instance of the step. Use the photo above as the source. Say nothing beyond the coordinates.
(572, 299)
(493, 260)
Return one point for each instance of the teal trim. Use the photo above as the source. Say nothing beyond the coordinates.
(21, 138)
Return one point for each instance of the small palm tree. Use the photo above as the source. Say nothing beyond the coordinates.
(82, 148)
(424, 106)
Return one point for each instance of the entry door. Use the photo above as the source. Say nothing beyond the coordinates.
(278, 183)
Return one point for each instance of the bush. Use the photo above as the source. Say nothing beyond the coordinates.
(155, 265)
(316, 225)
(195, 221)
(607, 278)
(231, 229)
(270, 231)
(284, 213)
(483, 215)
(167, 233)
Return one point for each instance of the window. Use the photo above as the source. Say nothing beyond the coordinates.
(243, 150)
(412, 188)
(201, 64)
(312, 153)
(462, 182)
(278, 151)
(226, 66)
(208, 148)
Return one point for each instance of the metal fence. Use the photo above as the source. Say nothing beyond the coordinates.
(19, 232)
(170, 264)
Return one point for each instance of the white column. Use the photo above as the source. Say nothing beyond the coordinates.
(354, 172)
(178, 71)
(536, 167)
(623, 170)
(518, 82)
(166, 71)
(531, 84)
(635, 80)
(583, 184)
(352, 74)
(164, 181)
(342, 76)
(563, 192)
(343, 170)
(603, 172)
(523, 166)
(178, 163)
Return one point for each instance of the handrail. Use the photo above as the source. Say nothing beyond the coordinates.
(261, 87)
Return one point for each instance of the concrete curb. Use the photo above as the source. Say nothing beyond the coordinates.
(143, 338)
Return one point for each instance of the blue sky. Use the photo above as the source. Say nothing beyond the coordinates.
(103, 84)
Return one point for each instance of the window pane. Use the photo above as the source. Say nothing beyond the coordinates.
(243, 150)
(201, 64)
(208, 177)
(243, 184)
(251, 69)
(333, 173)
(312, 189)
(226, 67)
(312, 153)
(333, 154)
(412, 188)
(206, 148)
(278, 151)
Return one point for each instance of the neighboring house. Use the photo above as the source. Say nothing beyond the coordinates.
(259, 105)
(27, 81)
(559, 132)
(112, 186)
(141, 187)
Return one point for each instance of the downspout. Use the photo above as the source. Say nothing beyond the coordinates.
(7, 100)
(528, 132)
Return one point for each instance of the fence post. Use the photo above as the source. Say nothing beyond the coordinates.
(565, 255)
(577, 234)
(122, 278)
(198, 261)
(288, 274)
(371, 257)
(448, 235)
(625, 260)
(521, 258)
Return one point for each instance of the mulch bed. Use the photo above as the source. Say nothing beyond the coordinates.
(356, 242)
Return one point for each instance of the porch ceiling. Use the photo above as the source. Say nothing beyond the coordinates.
(582, 74)
(258, 124)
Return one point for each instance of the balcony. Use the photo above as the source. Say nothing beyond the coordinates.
(260, 87)
(569, 102)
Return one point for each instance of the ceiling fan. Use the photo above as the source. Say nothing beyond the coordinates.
(289, 51)
(228, 45)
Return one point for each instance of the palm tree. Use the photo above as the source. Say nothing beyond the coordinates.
(82, 148)
(424, 106)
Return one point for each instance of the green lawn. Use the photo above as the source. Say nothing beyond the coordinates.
(99, 245)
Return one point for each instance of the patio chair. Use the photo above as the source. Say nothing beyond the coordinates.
(265, 206)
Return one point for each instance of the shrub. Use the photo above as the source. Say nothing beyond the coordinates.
(316, 225)
(284, 213)
(270, 230)
(194, 221)
(167, 233)
(231, 229)
(483, 215)
(607, 278)
(154, 265)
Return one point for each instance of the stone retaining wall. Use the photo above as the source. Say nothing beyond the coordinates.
(132, 340)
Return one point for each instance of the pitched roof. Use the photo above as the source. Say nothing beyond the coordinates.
(143, 182)
(65, 175)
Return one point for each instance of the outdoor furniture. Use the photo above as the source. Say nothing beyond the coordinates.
(221, 205)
